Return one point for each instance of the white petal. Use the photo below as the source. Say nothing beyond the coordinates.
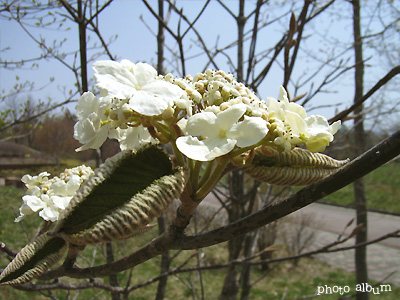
(248, 132)
(87, 104)
(90, 133)
(100, 137)
(85, 130)
(193, 148)
(283, 95)
(133, 137)
(219, 147)
(298, 109)
(148, 104)
(59, 188)
(182, 123)
(33, 202)
(49, 214)
(202, 124)
(73, 185)
(205, 150)
(24, 210)
(27, 179)
(230, 116)
(35, 191)
(296, 122)
(164, 90)
(335, 127)
(115, 78)
(318, 124)
(144, 74)
(61, 202)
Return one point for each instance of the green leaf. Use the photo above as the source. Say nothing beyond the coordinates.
(34, 259)
(122, 197)
(296, 167)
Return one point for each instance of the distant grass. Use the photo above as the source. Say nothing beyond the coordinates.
(382, 190)
(18, 233)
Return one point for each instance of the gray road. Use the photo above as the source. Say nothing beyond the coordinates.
(334, 219)
(330, 221)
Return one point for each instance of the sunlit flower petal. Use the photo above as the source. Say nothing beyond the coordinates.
(219, 133)
(248, 132)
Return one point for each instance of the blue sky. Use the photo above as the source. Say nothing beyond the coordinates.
(136, 43)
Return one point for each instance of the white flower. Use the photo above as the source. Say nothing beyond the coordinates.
(43, 204)
(212, 135)
(32, 181)
(147, 94)
(293, 127)
(90, 130)
(319, 133)
(50, 197)
(67, 189)
(132, 138)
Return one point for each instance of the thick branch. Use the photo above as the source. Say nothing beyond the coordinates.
(362, 165)
(174, 239)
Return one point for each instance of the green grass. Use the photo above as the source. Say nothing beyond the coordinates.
(382, 190)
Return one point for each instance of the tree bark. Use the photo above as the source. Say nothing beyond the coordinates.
(359, 141)
(82, 47)
(162, 224)
(165, 262)
(230, 288)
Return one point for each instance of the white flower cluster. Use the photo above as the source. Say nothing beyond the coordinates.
(292, 127)
(206, 116)
(51, 196)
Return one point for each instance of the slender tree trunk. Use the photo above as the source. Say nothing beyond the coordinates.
(231, 285)
(160, 39)
(162, 224)
(241, 21)
(359, 139)
(165, 262)
(245, 277)
(82, 47)
(230, 288)
(112, 278)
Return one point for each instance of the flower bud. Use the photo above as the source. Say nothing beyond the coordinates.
(168, 113)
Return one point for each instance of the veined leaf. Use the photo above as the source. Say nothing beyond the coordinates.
(296, 167)
(122, 197)
(117, 202)
(34, 259)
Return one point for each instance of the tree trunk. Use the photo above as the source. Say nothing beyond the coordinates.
(160, 39)
(162, 223)
(165, 262)
(82, 47)
(112, 278)
(230, 288)
(245, 277)
(359, 141)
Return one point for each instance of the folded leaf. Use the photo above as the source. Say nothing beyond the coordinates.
(296, 167)
(34, 259)
(122, 197)
(118, 201)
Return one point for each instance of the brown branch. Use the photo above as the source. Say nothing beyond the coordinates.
(294, 27)
(342, 115)
(247, 260)
(362, 165)
(174, 238)
(11, 253)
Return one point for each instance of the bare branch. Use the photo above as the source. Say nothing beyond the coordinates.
(342, 115)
